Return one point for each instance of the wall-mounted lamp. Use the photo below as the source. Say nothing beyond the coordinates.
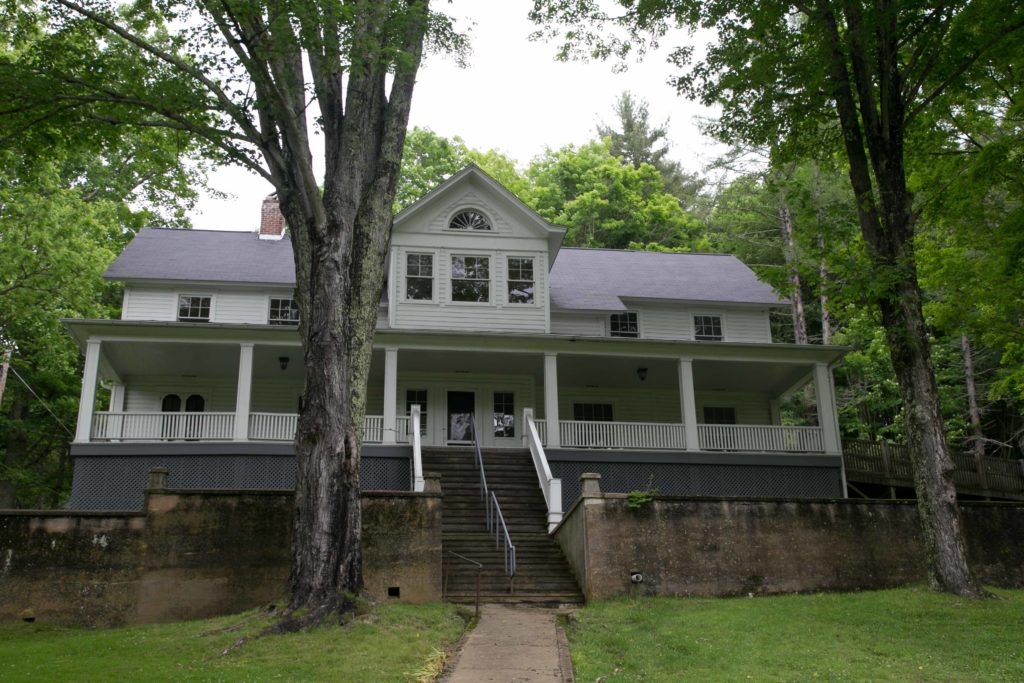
(283, 360)
(641, 373)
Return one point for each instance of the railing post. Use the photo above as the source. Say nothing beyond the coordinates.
(417, 455)
(525, 427)
(555, 504)
(243, 397)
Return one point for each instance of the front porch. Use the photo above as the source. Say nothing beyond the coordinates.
(688, 415)
(158, 426)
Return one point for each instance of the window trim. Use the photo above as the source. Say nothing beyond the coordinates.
(490, 278)
(462, 209)
(639, 328)
(270, 307)
(714, 314)
(508, 279)
(404, 265)
(177, 307)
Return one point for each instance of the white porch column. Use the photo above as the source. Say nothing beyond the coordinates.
(390, 394)
(688, 404)
(88, 397)
(551, 399)
(116, 398)
(243, 397)
(827, 417)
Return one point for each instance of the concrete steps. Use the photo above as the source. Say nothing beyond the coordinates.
(542, 575)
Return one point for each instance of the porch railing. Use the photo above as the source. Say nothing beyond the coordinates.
(670, 436)
(765, 438)
(159, 426)
(272, 426)
(586, 434)
(549, 485)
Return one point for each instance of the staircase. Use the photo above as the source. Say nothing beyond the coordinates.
(542, 574)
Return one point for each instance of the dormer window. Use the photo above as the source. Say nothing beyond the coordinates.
(471, 278)
(193, 309)
(520, 280)
(283, 312)
(707, 328)
(419, 277)
(469, 220)
(624, 325)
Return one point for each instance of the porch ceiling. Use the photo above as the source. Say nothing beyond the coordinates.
(769, 378)
(136, 359)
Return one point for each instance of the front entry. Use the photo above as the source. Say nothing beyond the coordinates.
(460, 416)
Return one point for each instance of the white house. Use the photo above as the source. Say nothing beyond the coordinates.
(654, 369)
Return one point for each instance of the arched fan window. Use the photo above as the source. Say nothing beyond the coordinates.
(469, 220)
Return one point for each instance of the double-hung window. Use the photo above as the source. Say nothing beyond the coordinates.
(520, 280)
(707, 328)
(419, 277)
(193, 309)
(504, 414)
(471, 278)
(624, 325)
(283, 311)
(592, 412)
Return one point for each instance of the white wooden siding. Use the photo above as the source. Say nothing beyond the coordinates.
(628, 405)
(664, 321)
(145, 303)
(752, 409)
(146, 395)
(497, 316)
(248, 306)
(738, 324)
(578, 325)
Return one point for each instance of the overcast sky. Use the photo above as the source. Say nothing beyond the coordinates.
(513, 96)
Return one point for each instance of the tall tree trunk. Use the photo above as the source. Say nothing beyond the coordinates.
(826, 318)
(872, 124)
(978, 442)
(795, 286)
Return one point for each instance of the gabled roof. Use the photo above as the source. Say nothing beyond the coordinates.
(599, 279)
(205, 256)
(553, 233)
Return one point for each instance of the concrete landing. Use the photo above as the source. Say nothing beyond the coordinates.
(513, 644)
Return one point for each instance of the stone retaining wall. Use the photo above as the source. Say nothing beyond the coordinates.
(716, 547)
(193, 554)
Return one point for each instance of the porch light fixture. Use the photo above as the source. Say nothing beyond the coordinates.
(283, 360)
(641, 373)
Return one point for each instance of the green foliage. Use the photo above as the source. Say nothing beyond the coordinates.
(908, 634)
(383, 645)
(73, 191)
(607, 203)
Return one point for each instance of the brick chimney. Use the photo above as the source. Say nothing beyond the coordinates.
(272, 223)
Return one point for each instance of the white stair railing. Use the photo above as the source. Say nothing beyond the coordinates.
(417, 451)
(549, 485)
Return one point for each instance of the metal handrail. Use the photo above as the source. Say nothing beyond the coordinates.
(495, 518)
(446, 571)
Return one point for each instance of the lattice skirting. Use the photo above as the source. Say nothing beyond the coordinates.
(117, 482)
(692, 479)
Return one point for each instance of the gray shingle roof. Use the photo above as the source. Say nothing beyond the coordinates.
(581, 279)
(206, 256)
(598, 279)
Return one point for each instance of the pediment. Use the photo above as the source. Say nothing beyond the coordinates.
(472, 189)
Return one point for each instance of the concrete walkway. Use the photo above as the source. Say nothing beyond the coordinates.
(512, 645)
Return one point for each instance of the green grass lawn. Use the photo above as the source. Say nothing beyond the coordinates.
(390, 644)
(893, 635)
